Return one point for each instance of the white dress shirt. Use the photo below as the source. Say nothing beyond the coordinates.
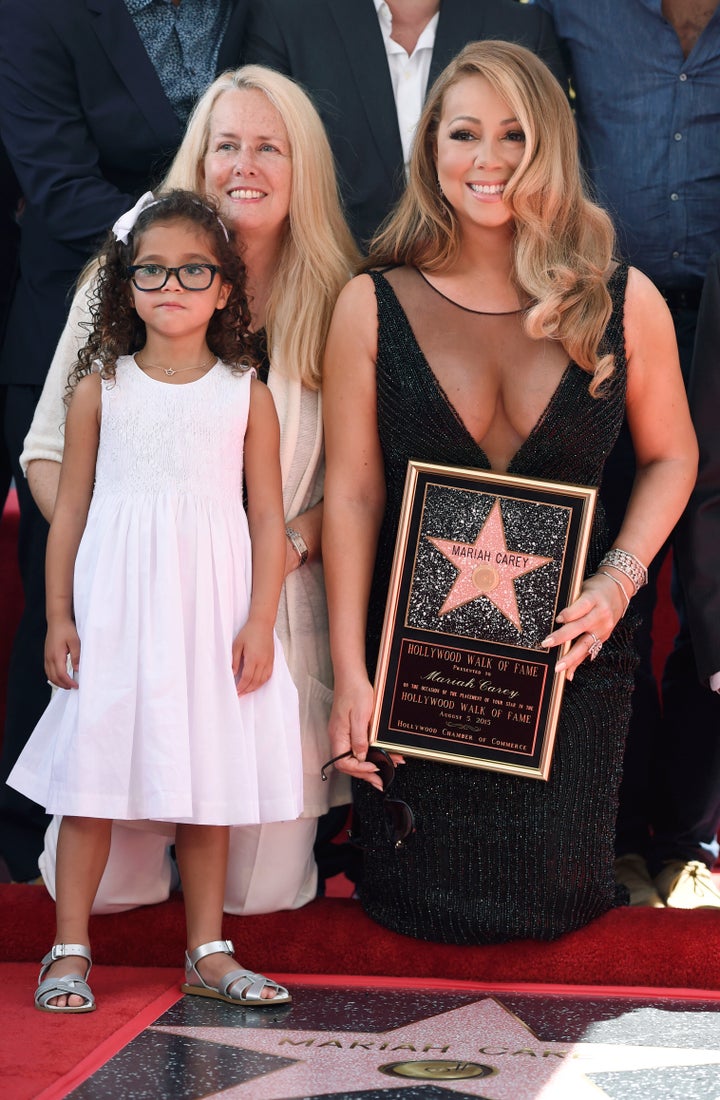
(409, 74)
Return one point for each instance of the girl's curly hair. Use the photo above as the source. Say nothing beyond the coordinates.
(116, 329)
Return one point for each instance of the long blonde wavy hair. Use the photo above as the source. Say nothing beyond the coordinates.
(318, 252)
(563, 243)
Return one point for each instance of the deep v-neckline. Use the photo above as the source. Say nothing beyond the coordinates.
(452, 410)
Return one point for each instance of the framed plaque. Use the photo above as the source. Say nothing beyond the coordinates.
(483, 564)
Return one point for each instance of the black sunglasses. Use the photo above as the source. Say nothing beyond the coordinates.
(399, 818)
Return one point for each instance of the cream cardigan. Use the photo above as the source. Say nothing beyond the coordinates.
(302, 625)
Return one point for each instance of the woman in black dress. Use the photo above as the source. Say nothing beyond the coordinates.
(494, 329)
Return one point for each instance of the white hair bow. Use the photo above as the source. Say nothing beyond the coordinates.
(126, 222)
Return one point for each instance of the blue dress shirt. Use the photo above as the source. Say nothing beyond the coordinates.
(649, 122)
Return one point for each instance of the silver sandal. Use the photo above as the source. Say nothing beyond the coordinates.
(251, 985)
(68, 984)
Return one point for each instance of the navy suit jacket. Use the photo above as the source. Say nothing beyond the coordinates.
(87, 127)
(335, 49)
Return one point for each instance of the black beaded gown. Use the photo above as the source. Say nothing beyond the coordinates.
(497, 857)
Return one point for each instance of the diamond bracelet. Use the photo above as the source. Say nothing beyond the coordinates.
(629, 565)
(298, 544)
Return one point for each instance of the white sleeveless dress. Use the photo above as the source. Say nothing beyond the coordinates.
(162, 586)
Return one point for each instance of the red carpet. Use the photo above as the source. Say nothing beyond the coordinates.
(626, 947)
(131, 999)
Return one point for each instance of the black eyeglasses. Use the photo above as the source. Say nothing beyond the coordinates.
(399, 818)
(190, 276)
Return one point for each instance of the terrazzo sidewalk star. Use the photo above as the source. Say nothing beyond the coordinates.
(392, 1042)
(481, 1050)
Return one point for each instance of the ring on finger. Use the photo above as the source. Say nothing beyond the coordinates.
(595, 647)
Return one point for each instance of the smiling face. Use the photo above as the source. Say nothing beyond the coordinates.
(247, 167)
(480, 143)
(172, 311)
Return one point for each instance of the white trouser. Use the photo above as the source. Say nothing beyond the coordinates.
(270, 867)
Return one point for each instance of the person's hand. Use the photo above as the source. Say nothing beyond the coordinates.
(61, 641)
(587, 621)
(348, 728)
(253, 653)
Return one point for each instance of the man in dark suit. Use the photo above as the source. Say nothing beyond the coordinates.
(9, 240)
(691, 806)
(90, 114)
(337, 50)
(698, 542)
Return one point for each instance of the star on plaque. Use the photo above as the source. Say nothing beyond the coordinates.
(487, 568)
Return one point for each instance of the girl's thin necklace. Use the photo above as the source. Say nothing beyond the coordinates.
(170, 371)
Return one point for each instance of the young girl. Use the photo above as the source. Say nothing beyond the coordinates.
(179, 707)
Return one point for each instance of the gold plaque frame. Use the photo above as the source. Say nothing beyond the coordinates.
(483, 564)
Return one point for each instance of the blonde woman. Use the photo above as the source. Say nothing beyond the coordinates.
(256, 145)
(494, 329)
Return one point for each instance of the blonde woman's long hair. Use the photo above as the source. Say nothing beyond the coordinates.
(563, 243)
(318, 252)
